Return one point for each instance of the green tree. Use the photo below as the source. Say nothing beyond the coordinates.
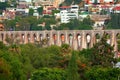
(13, 3)
(5, 73)
(102, 54)
(36, 28)
(76, 24)
(40, 10)
(31, 11)
(55, 11)
(15, 65)
(49, 74)
(2, 46)
(72, 71)
(3, 5)
(23, 24)
(10, 24)
(32, 22)
(96, 73)
(77, 1)
(95, 2)
(114, 22)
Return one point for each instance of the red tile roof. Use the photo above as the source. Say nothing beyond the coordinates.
(51, 8)
(117, 8)
(104, 6)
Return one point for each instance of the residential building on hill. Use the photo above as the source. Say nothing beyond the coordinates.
(99, 1)
(68, 12)
(67, 15)
(54, 3)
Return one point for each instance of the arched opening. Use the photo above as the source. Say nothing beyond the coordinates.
(54, 39)
(7, 39)
(118, 41)
(88, 40)
(7, 36)
(48, 39)
(34, 38)
(108, 38)
(16, 35)
(40, 37)
(71, 40)
(2, 36)
(97, 38)
(62, 38)
(117, 54)
(28, 38)
(79, 41)
(17, 38)
(11, 36)
(23, 38)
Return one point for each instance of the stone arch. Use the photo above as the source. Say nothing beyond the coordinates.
(2, 36)
(47, 39)
(28, 38)
(17, 38)
(7, 35)
(16, 35)
(54, 39)
(62, 38)
(11, 36)
(108, 38)
(47, 36)
(118, 41)
(88, 40)
(34, 38)
(40, 37)
(23, 38)
(97, 37)
(70, 37)
(79, 41)
(118, 36)
(7, 38)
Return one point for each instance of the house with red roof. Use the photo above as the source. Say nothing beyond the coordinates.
(116, 9)
(65, 8)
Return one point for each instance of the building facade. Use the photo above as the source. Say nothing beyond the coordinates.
(68, 12)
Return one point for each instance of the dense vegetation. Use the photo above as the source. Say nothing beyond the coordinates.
(32, 23)
(31, 61)
(75, 24)
(114, 22)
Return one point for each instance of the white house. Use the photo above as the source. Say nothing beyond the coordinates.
(2, 0)
(68, 12)
(67, 15)
(99, 20)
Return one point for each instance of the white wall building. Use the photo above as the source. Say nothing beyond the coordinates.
(2, 0)
(67, 14)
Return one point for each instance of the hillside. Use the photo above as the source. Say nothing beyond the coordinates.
(69, 2)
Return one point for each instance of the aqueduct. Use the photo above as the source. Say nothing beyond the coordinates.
(77, 39)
